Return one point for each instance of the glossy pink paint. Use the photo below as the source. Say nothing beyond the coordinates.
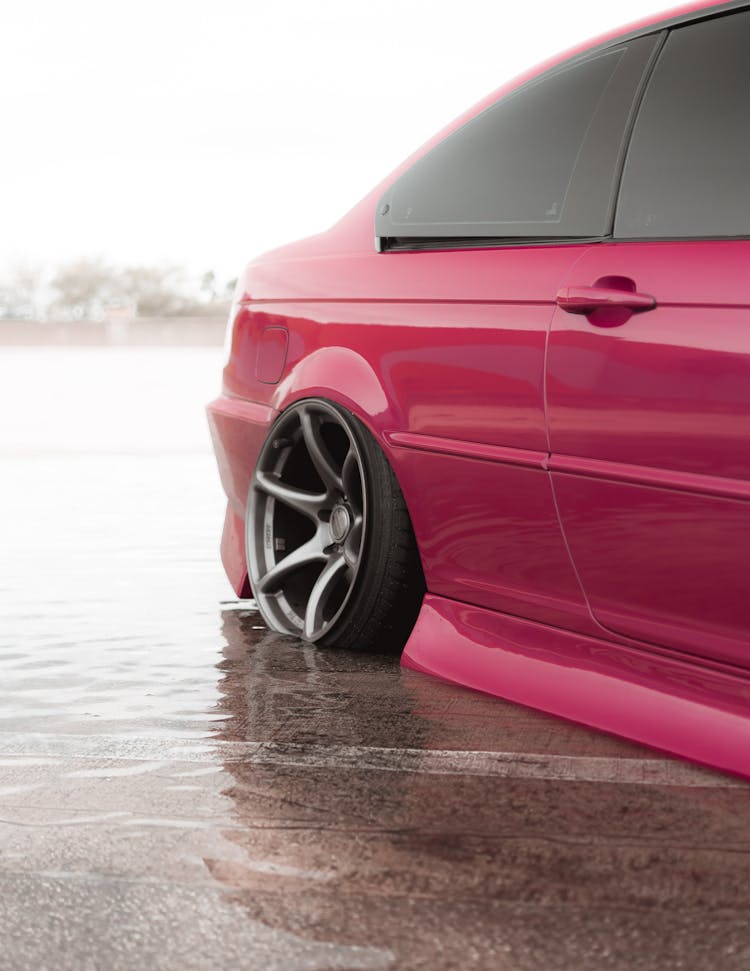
(586, 471)
(664, 702)
(658, 525)
(482, 543)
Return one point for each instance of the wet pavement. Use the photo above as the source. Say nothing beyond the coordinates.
(181, 789)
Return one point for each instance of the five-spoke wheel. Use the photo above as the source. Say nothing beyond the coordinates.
(322, 502)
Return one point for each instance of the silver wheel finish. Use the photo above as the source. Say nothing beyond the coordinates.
(306, 520)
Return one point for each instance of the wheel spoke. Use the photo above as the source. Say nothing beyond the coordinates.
(308, 503)
(309, 552)
(350, 475)
(310, 475)
(318, 451)
(353, 543)
(320, 594)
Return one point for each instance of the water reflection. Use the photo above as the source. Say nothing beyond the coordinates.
(311, 835)
(422, 868)
(279, 689)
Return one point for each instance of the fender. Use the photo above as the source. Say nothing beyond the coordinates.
(342, 376)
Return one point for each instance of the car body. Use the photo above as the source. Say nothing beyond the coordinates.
(557, 369)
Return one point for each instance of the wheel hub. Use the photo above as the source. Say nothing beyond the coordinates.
(340, 523)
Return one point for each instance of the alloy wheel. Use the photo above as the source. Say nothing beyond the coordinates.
(307, 520)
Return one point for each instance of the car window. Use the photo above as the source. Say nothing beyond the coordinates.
(687, 171)
(514, 169)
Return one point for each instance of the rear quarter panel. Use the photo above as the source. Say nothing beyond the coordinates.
(447, 347)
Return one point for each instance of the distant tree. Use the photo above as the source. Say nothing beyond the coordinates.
(84, 288)
(21, 292)
(156, 291)
(216, 297)
(88, 288)
(208, 285)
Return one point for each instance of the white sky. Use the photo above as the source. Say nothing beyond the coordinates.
(201, 133)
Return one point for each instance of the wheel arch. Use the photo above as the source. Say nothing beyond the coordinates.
(342, 376)
(346, 378)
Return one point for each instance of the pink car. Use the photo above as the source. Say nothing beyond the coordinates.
(499, 415)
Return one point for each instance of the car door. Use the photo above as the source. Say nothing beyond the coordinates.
(648, 369)
(477, 235)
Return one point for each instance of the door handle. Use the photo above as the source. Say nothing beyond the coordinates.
(585, 300)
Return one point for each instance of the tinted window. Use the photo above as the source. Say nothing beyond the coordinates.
(688, 167)
(512, 170)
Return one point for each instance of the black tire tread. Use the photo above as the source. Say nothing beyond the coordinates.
(390, 586)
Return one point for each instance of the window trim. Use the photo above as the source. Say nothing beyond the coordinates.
(669, 237)
(591, 185)
(660, 31)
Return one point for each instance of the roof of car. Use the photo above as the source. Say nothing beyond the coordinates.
(657, 21)
(355, 226)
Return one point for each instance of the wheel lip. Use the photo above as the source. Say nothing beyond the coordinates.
(274, 609)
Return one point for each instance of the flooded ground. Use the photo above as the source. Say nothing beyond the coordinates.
(180, 789)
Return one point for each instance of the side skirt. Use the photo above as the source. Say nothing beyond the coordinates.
(673, 705)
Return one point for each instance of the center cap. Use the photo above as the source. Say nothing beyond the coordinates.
(340, 523)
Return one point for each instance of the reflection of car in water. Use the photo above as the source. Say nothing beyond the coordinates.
(319, 838)
(530, 399)
(392, 814)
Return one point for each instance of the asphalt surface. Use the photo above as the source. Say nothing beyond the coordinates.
(181, 789)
